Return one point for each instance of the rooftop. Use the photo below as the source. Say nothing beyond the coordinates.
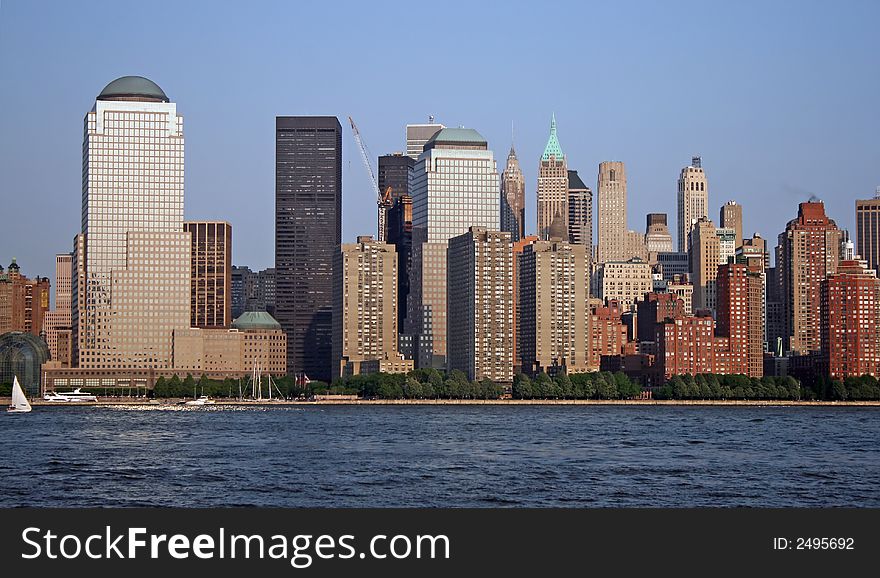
(255, 320)
(135, 88)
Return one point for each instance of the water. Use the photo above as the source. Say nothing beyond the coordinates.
(433, 456)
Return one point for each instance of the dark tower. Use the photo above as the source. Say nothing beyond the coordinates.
(308, 233)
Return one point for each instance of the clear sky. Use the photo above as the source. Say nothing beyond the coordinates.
(781, 99)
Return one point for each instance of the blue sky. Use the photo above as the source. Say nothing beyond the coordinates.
(779, 98)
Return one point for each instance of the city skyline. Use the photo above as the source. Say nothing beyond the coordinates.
(721, 119)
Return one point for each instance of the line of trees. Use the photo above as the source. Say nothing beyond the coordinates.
(595, 385)
(427, 383)
(712, 386)
(285, 387)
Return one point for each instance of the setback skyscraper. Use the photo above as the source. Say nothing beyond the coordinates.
(513, 198)
(868, 230)
(417, 135)
(732, 218)
(211, 274)
(693, 201)
(308, 234)
(580, 212)
(611, 191)
(553, 189)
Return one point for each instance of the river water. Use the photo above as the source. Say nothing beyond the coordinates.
(438, 456)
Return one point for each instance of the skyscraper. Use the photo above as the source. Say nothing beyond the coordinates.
(365, 304)
(395, 171)
(308, 233)
(553, 307)
(868, 231)
(732, 218)
(705, 249)
(580, 212)
(693, 200)
(611, 191)
(480, 304)
(809, 250)
(553, 188)
(211, 273)
(513, 198)
(417, 135)
(657, 237)
(455, 187)
(57, 322)
(400, 235)
(136, 255)
(740, 318)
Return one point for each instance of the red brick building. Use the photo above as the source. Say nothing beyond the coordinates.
(740, 318)
(685, 345)
(654, 309)
(23, 301)
(608, 335)
(850, 328)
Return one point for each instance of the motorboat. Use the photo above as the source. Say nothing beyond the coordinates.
(201, 400)
(76, 395)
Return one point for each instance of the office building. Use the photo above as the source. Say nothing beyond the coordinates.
(611, 202)
(395, 171)
(308, 233)
(705, 248)
(400, 236)
(657, 236)
(57, 322)
(553, 189)
(211, 273)
(868, 230)
(554, 307)
(580, 212)
(513, 198)
(134, 255)
(417, 135)
(673, 263)
(480, 305)
(455, 187)
(693, 201)
(625, 282)
(252, 290)
(364, 303)
(808, 252)
(731, 217)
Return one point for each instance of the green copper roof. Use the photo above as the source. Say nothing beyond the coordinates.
(255, 320)
(457, 135)
(552, 149)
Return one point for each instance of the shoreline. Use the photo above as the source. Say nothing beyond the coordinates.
(174, 402)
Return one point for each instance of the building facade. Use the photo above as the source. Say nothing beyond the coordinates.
(705, 249)
(608, 334)
(868, 231)
(693, 201)
(625, 282)
(513, 198)
(731, 217)
(308, 233)
(657, 236)
(611, 212)
(554, 307)
(740, 317)
(364, 303)
(850, 327)
(23, 301)
(417, 135)
(553, 189)
(580, 212)
(135, 254)
(211, 273)
(480, 304)
(57, 322)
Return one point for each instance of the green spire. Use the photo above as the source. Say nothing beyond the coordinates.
(553, 149)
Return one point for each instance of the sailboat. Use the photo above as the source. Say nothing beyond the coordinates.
(19, 401)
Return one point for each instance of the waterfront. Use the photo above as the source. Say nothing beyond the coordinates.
(434, 456)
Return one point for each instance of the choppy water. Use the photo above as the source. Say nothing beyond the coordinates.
(346, 456)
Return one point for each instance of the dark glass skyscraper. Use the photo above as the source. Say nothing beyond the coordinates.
(395, 172)
(308, 233)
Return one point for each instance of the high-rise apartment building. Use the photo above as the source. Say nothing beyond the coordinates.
(850, 326)
(705, 249)
(868, 231)
(308, 233)
(654, 309)
(455, 187)
(519, 248)
(657, 236)
(23, 301)
(554, 307)
(681, 287)
(553, 189)
(809, 250)
(417, 135)
(480, 304)
(611, 192)
(135, 256)
(580, 212)
(57, 322)
(686, 346)
(693, 201)
(731, 217)
(608, 334)
(211, 273)
(727, 244)
(513, 198)
(740, 317)
(625, 282)
(364, 304)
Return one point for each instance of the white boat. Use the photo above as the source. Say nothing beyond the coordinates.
(201, 400)
(19, 401)
(75, 395)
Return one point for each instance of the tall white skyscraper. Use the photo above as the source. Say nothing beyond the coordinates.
(136, 254)
(693, 201)
(455, 186)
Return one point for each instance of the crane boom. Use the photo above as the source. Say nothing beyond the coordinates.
(383, 200)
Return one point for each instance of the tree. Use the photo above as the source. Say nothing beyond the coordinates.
(838, 390)
(522, 386)
(189, 384)
(563, 384)
(542, 386)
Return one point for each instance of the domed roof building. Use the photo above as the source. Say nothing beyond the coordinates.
(133, 88)
(22, 355)
(250, 320)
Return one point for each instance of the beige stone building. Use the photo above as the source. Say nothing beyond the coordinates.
(636, 246)
(480, 304)
(57, 322)
(657, 236)
(625, 282)
(732, 218)
(554, 307)
(611, 203)
(705, 258)
(681, 287)
(364, 303)
(693, 201)
(553, 189)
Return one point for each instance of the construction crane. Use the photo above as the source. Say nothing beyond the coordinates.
(383, 199)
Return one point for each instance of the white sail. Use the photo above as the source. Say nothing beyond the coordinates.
(19, 401)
